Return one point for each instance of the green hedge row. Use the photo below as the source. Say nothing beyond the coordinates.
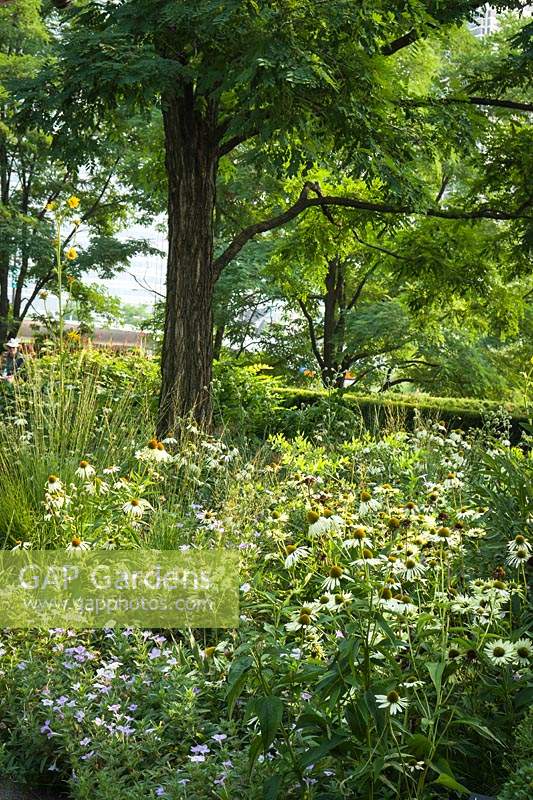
(378, 411)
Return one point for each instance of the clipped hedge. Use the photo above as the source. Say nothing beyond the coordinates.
(379, 411)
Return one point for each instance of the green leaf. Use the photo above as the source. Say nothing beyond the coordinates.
(477, 726)
(236, 680)
(269, 711)
(316, 753)
(419, 746)
(451, 783)
(271, 787)
(436, 670)
(255, 748)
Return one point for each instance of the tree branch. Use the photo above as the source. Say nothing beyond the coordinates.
(304, 202)
(496, 102)
(229, 145)
(312, 334)
(399, 43)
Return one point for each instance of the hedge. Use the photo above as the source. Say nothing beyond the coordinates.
(377, 411)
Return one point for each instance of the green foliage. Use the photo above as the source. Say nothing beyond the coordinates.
(378, 411)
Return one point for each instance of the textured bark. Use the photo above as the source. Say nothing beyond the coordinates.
(4, 298)
(191, 164)
(334, 324)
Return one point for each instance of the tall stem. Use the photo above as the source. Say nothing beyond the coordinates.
(59, 270)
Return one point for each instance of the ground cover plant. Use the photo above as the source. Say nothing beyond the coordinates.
(383, 649)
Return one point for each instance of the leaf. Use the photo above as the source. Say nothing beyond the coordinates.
(236, 680)
(446, 777)
(436, 670)
(316, 753)
(451, 783)
(271, 787)
(255, 748)
(419, 746)
(477, 726)
(269, 711)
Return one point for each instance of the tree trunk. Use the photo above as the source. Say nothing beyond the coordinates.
(4, 299)
(218, 340)
(191, 162)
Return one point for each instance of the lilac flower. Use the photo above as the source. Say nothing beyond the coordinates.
(79, 716)
(196, 690)
(220, 780)
(228, 764)
(160, 791)
(22, 665)
(46, 702)
(127, 730)
(115, 708)
(47, 729)
(197, 759)
(306, 695)
(85, 741)
(219, 737)
(61, 701)
(155, 652)
(200, 748)
(133, 707)
(88, 755)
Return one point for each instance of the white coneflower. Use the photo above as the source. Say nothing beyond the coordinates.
(111, 470)
(343, 598)
(136, 507)
(56, 501)
(368, 503)
(444, 535)
(399, 607)
(109, 544)
(85, 470)
(523, 651)
(462, 603)
(519, 543)
(333, 581)
(97, 486)
(53, 484)
(412, 683)
(392, 701)
(386, 489)
(77, 545)
(409, 569)
(326, 602)
(453, 480)
(368, 559)
(154, 451)
(500, 652)
(295, 554)
(302, 619)
(319, 527)
(359, 538)
(21, 546)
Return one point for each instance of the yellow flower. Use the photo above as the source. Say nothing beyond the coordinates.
(50, 206)
(73, 202)
(71, 254)
(74, 336)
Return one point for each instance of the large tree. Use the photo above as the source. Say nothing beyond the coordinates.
(292, 80)
(39, 166)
